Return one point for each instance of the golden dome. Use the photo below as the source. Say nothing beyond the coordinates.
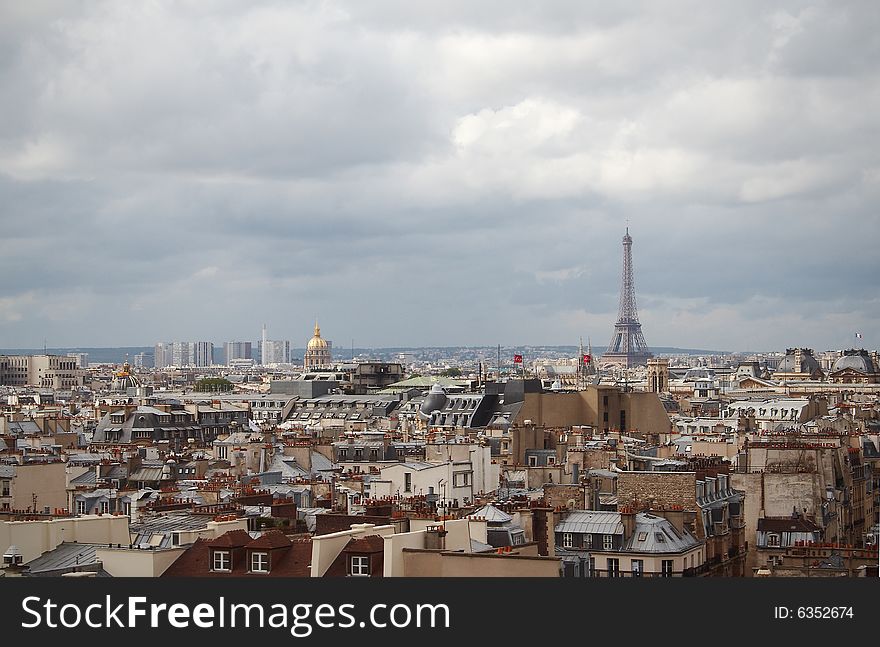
(317, 341)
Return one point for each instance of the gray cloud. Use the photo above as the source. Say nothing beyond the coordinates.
(445, 174)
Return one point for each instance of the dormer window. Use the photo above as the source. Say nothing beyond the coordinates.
(221, 561)
(259, 562)
(359, 566)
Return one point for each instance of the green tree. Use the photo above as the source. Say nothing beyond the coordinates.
(213, 385)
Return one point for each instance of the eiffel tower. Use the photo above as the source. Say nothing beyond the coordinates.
(627, 347)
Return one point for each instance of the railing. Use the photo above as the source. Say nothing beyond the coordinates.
(604, 573)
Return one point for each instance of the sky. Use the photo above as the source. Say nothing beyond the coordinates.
(439, 173)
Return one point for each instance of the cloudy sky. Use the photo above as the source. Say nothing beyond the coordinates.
(439, 173)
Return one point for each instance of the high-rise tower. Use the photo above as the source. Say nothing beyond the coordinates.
(627, 347)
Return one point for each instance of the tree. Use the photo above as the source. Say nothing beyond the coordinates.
(213, 385)
(452, 372)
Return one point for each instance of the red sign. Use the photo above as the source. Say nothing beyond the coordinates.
(517, 359)
(587, 359)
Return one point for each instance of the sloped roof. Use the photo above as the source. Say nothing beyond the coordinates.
(787, 524)
(147, 474)
(591, 522)
(269, 540)
(368, 544)
(293, 561)
(65, 555)
(231, 539)
(492, 514)
(654, 534)
(86, 478)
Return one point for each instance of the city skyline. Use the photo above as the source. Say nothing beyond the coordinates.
(452, 176)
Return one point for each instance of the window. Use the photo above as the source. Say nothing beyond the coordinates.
(105, 507)
(407, 482)
(613, 567)
(80, 507)
(359, 565)
(551, 460)
(666, 568)
(461, 479)
(588, 541)
(567, 540)
(773, 539)
(533, 461)
(221, 561)
(658, 536)
(638, 567)
(342, 454)
(592, 566)
(607, 542)
(4, 488)
(259, 562)
(643, 536)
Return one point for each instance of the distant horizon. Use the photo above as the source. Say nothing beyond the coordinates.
(341, 350)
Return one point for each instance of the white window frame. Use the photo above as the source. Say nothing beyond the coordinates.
(607, 542)
(224, 563)
(359, 565)
(612, 565)
(567, 540)
(637, 567)
(774, 540)
(80, 507)
(667, 572)
(533, 461)
(259, 562)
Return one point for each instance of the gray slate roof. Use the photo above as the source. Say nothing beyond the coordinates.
(86, 478)
(591, 522)
(655, 534)
(65, 555)
(492, 514)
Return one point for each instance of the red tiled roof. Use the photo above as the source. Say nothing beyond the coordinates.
(371, 545)
(368, 544)
(292, 561)
(269, 540)
(231, 539)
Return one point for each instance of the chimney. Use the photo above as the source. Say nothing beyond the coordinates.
(435, 538)
(542, 527)
(628, 518)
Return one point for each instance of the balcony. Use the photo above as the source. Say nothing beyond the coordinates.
(696, 571)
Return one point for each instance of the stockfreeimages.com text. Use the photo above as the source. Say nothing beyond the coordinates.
(300, 619)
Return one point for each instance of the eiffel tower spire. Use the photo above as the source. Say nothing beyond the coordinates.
(627, 347)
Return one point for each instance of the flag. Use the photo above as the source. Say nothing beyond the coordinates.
(858, 335)
(517, 359)
(587, 359)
